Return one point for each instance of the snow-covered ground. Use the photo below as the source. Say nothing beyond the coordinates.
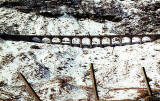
(61, 72)
(46, 68)
(39, 25)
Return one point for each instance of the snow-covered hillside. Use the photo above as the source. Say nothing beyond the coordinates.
(61, 72)
(46, 68)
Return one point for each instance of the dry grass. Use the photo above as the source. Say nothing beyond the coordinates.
(142, 93)
(7, 59)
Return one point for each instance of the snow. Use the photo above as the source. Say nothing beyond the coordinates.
(64, 25)
(61, 72)
(118, 67)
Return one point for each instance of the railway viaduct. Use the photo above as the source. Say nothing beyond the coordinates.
(50, 38)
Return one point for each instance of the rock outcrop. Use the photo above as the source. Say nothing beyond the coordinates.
(128, 17)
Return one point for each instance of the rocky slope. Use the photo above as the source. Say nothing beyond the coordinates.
(61, 72)
(110, 16)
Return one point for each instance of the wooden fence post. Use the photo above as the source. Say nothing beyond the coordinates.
(29, 88)
(94, 82)
(147, 82)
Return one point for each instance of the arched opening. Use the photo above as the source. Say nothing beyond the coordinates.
(55, 40)
(65, 41)
(136, 40)
(146, 39)
(86, 42)
(116, 41)
(106, 41)
(46, 40)
(36, 39)
(126, 40)
(95, 42)
(75, 41)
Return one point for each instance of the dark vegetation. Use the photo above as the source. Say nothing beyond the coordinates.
(146, 19)
(74, 8)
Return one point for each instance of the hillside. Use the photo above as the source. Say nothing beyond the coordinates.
(61, 72)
